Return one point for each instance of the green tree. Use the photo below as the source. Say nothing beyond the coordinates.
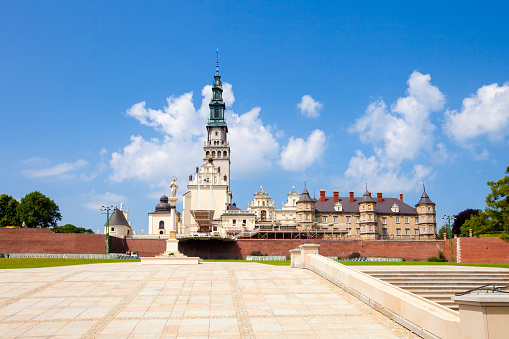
(442, 230)
(37, 210)
(460, 219)
(497, 204)
(70, 228)
(495, 217)
(478, 223)
(8, 211)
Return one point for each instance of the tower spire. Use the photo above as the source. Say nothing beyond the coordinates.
(217, 60)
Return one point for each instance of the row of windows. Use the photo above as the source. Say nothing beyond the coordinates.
(370, 218)
(234, 222)
(225, 154)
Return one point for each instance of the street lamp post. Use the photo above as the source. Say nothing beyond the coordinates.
(107, 238)
(449, 230)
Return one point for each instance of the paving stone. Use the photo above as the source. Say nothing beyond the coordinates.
(210, 300)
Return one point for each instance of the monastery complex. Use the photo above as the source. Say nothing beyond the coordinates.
(208, 210)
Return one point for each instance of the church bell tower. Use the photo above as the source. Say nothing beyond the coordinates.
(217, 148)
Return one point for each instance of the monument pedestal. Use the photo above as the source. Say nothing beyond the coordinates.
(171, 256)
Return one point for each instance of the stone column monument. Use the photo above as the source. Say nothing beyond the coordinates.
(171, 256)
(172, 243)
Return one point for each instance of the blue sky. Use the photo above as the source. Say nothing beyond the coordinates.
(103, 102)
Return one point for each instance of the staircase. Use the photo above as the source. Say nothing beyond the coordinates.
(439, 285)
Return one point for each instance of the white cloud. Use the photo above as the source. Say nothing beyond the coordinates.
(309, 107)
(62, 171)
(485, 113)
(179, 150)
(94, 201)
(154, 161)
(35, 161)
(398, 135)
(253, 146)
(299, 154)
(484, 155)
(406, 129)
(177, 120)
(380, 177)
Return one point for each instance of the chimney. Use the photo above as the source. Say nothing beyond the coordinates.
(351, 196)
(379, 196)
(336, 196)
(322, 195)
(401, 196)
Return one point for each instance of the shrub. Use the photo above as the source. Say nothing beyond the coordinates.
(256, 254)
(504, 236)
(441, 256)
(354, 255)
(221, 257)
(433, 259)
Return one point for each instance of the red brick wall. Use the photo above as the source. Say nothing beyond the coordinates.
(473, 250)
(41, 240)
(147, 247)
(484, 250)
(410, 250)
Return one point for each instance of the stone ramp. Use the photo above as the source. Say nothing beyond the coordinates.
(438, 283)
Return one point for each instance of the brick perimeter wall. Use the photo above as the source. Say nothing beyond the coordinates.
(410, 250)
(42, 240)
(473, 250)
(484, 250)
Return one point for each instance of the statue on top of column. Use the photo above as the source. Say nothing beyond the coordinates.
(173, 187)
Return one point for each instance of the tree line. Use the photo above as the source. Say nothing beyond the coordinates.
(34, 210)
(494, 219)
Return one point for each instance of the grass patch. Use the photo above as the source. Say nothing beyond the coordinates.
(368, 263)
(11, 263)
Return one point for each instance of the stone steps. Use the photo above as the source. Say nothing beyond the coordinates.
(440, 286)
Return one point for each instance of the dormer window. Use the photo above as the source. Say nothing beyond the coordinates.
(395, 208)
(338, 207)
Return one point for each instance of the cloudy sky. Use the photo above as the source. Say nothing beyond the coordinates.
(103, 102)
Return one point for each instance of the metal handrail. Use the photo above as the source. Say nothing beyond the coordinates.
(493, 289)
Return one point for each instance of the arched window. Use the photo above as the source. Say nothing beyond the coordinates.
(161, 225)
(216, 113)
(207, 153)
(225, 154)
(219, 154)
(161, 232)
(213, 154)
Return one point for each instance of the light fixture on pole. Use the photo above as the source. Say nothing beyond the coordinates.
(107, 233)
(449, 218)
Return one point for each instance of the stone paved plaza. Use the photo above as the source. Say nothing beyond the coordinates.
(227, 300)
